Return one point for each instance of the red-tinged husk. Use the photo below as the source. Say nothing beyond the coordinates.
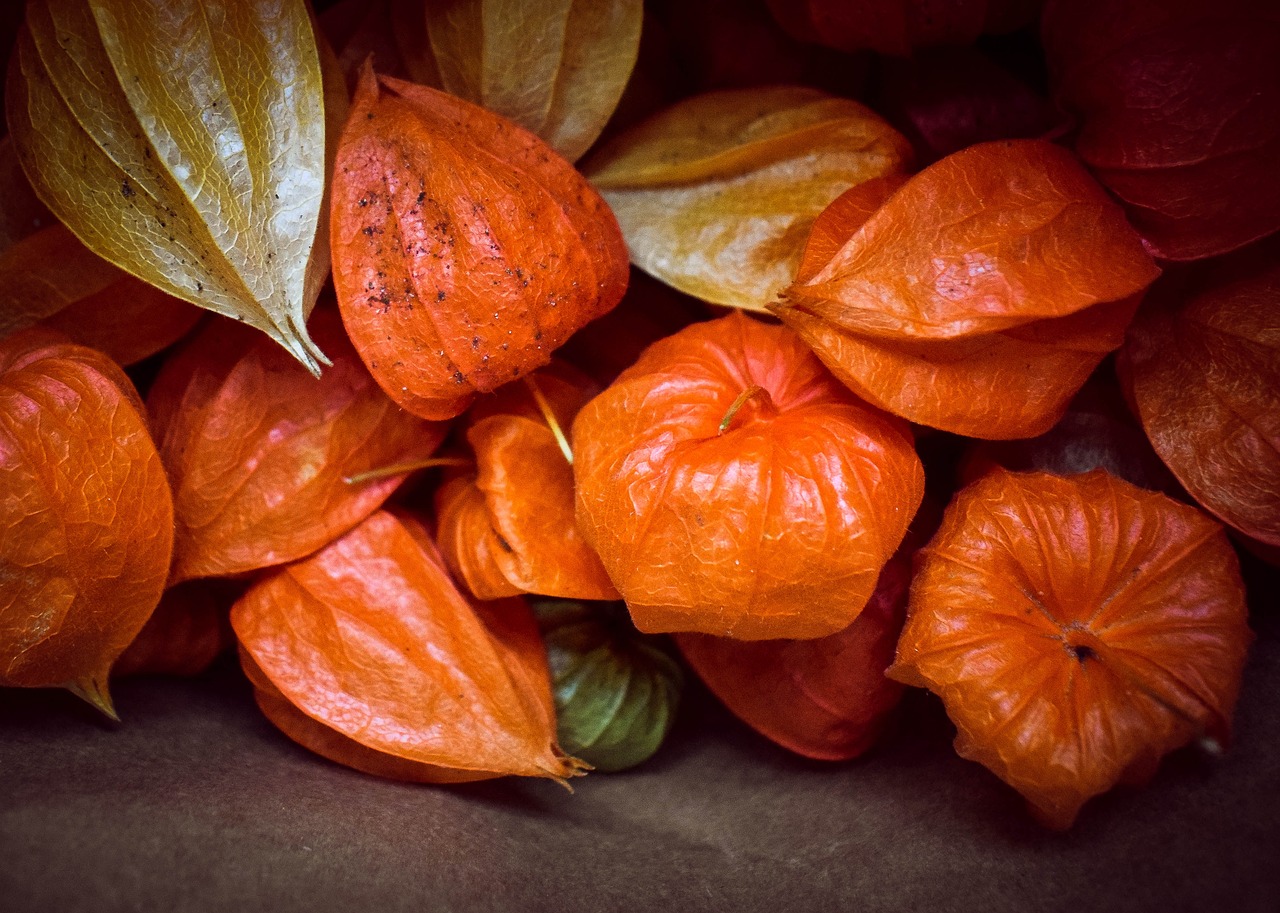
(777, 525)
(1202, 364)
(825, 698)
(1077, 630)
(184, 635)
(465, 250)
(1179, 110)
(85, 514)
(898, 26)
(980, 295)
(259, 451)
(370, 640)
(128, 320)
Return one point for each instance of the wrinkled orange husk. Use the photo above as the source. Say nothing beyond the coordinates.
(825, 698)
(836, 224)
(184, 635)
(370, 642)
(509, 527)
(85, 514)
(258, 450)
(464, 249)
(1077, 630)
(979, 297)
(776, 528)
(1204, 373)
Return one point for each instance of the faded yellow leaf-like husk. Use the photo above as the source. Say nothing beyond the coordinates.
(185, 143)
(555, 67)
(717, 194)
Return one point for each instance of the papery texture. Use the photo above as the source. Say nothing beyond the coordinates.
(1204, 370)
(731, 486)
(1077, 630)
(716, 194)
(85, 512)
(979, 297)
(48, 276)
(465, 250)
(508, 526)
(259, 451)
(203, 171)
(555, 67)
(1179, 109)
(369, 642)
(825, 698)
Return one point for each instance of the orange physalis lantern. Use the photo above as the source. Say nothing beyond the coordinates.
(1077, 630)
(825, 698)
(465, 250)
(86, 518)
(259, 452)
(507, 526)
(731, 486)
(367, 654)
(981, 294)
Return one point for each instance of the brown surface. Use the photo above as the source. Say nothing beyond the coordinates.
(196, 803)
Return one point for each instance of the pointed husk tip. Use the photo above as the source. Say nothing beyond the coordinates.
(94, 691)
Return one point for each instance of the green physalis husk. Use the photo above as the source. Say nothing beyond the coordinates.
(616, 690)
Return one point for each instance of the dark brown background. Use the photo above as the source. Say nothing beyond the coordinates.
(195, 802)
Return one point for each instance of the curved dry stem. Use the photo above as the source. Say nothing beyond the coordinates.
(396, 469)
(550, 417)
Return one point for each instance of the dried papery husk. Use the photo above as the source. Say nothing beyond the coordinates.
(555, 67)
(1203, 367)
(980, 295)
(507, 526)
(1178, 103)
(48, 277)
(1077, 629)
(259, 451)
(202, 172)
(368, 654)
(716, 194)
(826, 698)
(85, 511)
(465, 250)
(777, 525)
